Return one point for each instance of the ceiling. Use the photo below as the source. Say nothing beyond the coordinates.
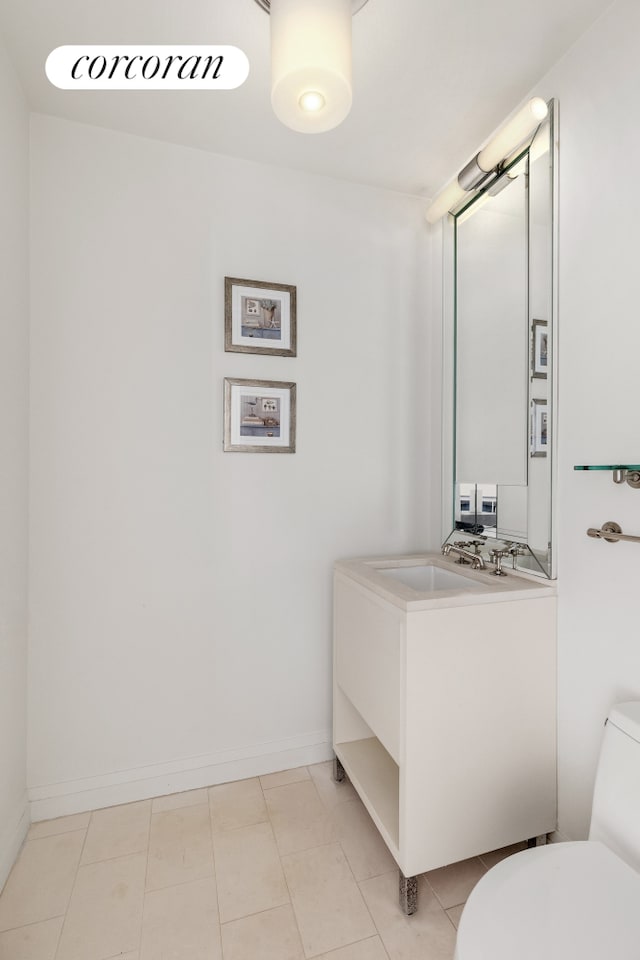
(432, 78)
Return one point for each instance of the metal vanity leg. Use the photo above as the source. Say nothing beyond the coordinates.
(537, 841)
(338, 771)
(408, 889)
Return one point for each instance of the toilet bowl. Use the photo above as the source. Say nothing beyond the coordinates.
(571, 900)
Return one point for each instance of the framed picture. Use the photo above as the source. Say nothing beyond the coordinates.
(259, 416)
(538, 428)
(539, 350)
(259, 317)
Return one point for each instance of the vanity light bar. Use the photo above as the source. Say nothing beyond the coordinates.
(513, 133)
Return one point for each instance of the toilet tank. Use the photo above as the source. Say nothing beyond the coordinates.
(615, 816)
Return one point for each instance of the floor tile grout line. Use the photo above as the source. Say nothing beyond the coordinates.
(451, 921)
(337, 950)
(286, 883)
(316, 846)
(362, 896)
(190, 806)
(289, 783)
(59, 939)
(249, 916)
(284, 872)
(181, 883)
(215, 876)
(244, 826)
(32, 923)
(355, 800)
(326, 809)
(257, 913)
(431, 887)
(378, 931)
(14, 865)
(120, 856)
(58, 833)
(433, 890)
(144, 883)
(73, 885)
(284, 877)
(115, 807)
(23, 846)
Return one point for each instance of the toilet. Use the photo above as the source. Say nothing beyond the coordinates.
(573, 900)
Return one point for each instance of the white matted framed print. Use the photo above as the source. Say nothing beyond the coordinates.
(259, 317)
(259, 416)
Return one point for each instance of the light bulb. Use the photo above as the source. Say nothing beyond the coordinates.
(311, 101)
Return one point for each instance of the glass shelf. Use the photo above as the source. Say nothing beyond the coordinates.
(609, 466)
(620, 472)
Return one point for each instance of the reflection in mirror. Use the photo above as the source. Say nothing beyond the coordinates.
(477, 508)
(503, 278)
(491, 336)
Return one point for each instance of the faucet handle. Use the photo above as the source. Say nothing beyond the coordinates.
(460, 547)
(497, 557)
(477, 544)
(517, 549)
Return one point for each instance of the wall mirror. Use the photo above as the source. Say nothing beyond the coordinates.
(500, 333)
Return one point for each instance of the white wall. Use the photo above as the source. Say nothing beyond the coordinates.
(598, 87)
(14, 278)
(181, 596)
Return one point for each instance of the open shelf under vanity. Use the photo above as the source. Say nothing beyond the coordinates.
(375, 776)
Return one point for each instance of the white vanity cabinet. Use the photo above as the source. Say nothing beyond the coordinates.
(445, 708)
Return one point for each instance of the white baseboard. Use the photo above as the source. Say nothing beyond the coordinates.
(156, 780)
(12, 838)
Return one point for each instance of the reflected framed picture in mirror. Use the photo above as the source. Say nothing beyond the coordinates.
(539, 350)
(539, 428)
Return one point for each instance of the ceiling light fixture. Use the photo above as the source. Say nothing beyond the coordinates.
(311, 61)
(490, 158)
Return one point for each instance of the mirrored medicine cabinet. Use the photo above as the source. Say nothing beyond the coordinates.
(500, 312)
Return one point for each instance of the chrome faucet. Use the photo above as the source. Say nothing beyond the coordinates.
(475, 559)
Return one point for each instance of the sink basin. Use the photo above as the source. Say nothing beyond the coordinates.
(429, 581)
(426, 577)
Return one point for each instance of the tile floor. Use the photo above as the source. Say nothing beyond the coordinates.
(283, 867)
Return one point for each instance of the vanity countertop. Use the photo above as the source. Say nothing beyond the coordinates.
(379, 574)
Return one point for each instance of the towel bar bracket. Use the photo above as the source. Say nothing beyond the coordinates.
(631, 476)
